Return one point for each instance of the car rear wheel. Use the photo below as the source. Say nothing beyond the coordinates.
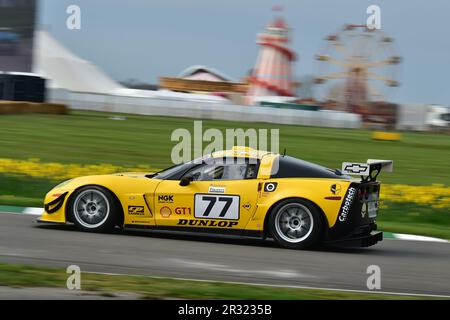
(296, 224)
(94, 208)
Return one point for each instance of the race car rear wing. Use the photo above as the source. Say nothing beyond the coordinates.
(368, 171)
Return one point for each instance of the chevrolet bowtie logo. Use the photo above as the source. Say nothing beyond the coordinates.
(356, 168)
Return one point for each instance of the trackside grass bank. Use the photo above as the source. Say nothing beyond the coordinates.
(94, 138)
(159, 288)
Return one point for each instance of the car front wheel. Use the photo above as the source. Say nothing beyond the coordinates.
(94, 208)
(296, 224)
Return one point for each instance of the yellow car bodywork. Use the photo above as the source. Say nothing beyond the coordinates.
(152, 202)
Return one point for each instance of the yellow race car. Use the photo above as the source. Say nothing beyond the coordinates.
(240, 191)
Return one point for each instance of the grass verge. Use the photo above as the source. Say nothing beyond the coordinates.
(23, 191)
(159, 288)
(414, 219)
(93, 137)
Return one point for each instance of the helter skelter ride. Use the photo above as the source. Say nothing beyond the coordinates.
(356, 69)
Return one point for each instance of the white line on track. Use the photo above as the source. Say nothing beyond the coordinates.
(26, 211)
(286, 274)
(413, 237)
(21, 213)
(33, 211)
(282, 286)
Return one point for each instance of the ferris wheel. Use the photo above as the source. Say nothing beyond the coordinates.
(357, 66)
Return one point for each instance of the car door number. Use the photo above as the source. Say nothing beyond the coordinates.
(216, 206)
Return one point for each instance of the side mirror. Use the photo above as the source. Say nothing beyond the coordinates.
(185, 181)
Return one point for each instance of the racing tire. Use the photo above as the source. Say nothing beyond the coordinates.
(94, 209)
(296, 224)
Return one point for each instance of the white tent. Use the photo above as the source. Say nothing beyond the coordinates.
(67, 71)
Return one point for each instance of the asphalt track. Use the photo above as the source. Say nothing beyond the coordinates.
(411, 267)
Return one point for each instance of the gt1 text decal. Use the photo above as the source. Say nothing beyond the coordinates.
(183, 211)
(216, 206)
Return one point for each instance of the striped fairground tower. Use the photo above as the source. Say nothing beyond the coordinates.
(272, 74)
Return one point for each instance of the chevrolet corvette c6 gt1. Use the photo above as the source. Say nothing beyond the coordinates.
(240, 191)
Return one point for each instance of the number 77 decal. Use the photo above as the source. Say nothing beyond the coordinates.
(216, 207)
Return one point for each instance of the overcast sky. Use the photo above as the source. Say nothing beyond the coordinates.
(145, 39)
